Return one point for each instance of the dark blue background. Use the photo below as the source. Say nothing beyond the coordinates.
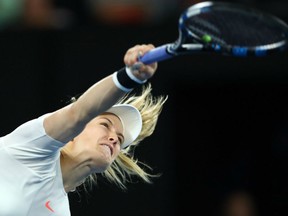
(224, 126)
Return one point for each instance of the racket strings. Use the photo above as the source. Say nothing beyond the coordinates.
(200, 29)
(236, 28)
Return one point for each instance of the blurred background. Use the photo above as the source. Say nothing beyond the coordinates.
(221, 143)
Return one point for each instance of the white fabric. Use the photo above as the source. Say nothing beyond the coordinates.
(118, 84)
(131, 120)
(30, 173)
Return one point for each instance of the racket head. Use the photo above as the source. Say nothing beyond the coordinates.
(231, 29)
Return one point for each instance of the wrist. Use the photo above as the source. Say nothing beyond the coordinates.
(125, 80)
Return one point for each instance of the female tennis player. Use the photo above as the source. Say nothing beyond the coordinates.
(45, 158)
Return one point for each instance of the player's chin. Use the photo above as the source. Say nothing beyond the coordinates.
(102, 163)
(99, 168)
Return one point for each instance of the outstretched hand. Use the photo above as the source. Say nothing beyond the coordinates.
(140, 70)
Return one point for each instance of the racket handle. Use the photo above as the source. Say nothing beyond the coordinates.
(155, 55)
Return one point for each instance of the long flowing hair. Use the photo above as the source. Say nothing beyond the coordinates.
(126, 165)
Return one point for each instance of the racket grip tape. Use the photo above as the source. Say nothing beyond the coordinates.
(125, 80)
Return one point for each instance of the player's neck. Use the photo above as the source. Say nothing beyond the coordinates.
(73, 171)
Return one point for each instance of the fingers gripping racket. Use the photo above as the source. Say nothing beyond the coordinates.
(224, 28)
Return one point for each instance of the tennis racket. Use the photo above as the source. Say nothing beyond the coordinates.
(223, 28)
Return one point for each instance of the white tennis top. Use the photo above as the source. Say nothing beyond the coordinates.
(30, 173)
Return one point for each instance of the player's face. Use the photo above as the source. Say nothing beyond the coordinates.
(102, 139)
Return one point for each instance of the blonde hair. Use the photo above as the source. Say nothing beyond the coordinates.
(126, 166)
